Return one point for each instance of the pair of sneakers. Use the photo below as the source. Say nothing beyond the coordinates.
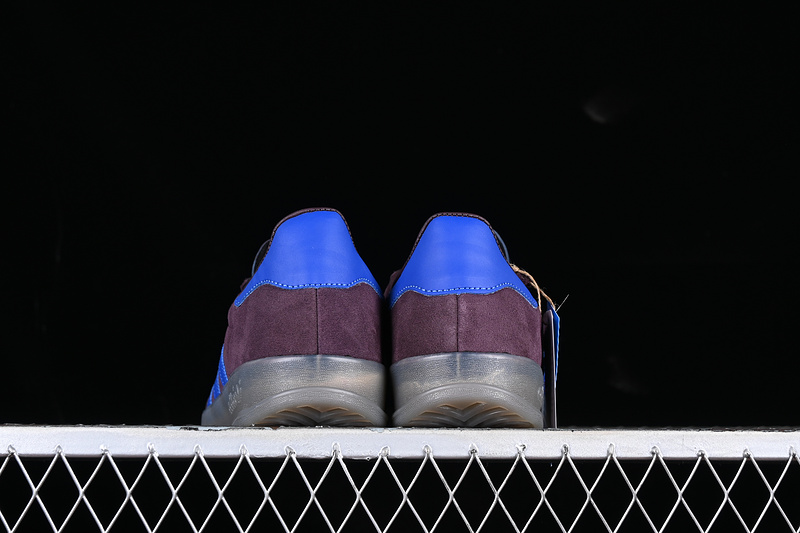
(304, 343)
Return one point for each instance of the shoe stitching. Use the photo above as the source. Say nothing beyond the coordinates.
(316, 316)
(417, 288)
(356, 281)
(458, 322)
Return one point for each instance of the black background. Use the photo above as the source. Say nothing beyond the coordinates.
(638, 158)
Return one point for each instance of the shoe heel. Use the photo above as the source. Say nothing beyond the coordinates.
(303, 390)
(468, 389)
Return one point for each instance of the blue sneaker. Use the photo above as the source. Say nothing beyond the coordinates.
(466, 331)
(303, 345)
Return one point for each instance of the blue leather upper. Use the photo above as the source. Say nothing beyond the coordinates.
(456, 255)
(311, 250)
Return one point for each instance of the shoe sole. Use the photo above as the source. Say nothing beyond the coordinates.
(468, 389)
(302, 390)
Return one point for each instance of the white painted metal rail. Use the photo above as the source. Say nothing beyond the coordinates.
(401, 443)
(398, 479)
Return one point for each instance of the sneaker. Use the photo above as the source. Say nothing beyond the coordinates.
(303, 344)
(466, 331)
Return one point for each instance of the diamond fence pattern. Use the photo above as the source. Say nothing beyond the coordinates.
(591, 481)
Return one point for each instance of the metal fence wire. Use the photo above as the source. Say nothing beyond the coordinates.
(322, 479)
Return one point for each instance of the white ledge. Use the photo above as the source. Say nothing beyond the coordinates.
(397, 443)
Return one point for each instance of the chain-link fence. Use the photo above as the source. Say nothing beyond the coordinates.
(325, 479)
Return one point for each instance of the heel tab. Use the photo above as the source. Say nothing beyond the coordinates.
(457, 253)
(311, 248)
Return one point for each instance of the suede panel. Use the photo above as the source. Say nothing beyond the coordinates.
(350, 322)
(424, 325)
(271, 321)
(501, 322)
(274, 321)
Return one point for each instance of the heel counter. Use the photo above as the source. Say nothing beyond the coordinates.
(311, 250)
(457, 254)
(457, 292)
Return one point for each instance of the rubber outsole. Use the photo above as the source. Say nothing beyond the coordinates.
(302, 390)
(468, 389)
